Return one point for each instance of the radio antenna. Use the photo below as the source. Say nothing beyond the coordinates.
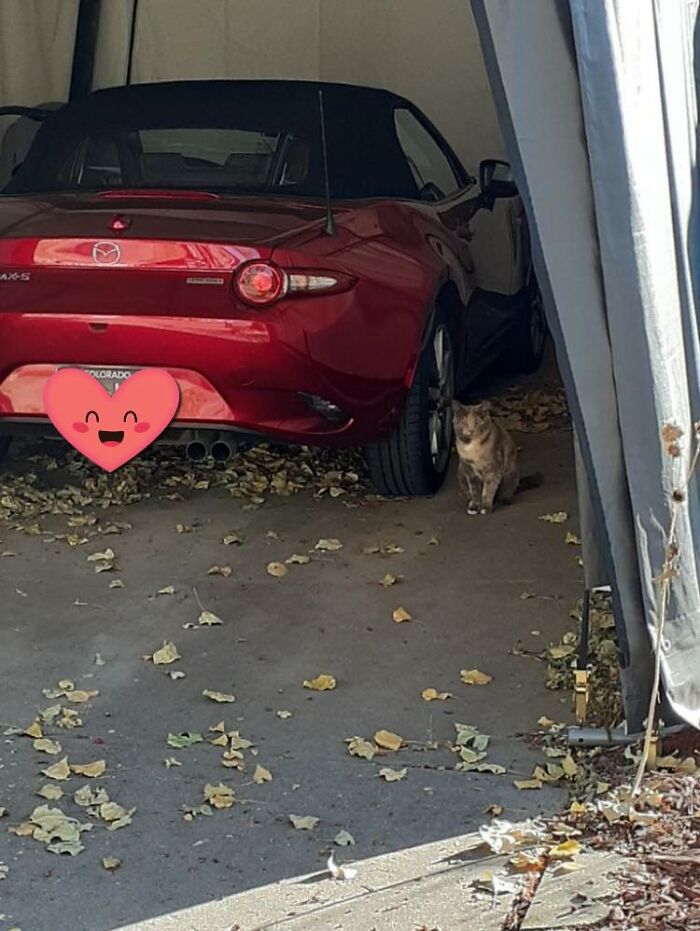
(329, 227)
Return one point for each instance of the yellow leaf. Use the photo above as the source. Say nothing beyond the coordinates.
(46, 745)
(52, 793)
(577, 808)
(434, 695)
(526, 861)
(78, 696)
(220, 728)
(166, 590)
(545, 722)
(110, 811)
(322, 683)
(261, 775)
(208, 619)
(388, 580)
(23, 830)
(474, 677)
(392, 775)
(218, 696)
(358, 746)
(568, 848)
(59, 771)
(495, 810)
(220, 741)
(388, 741)
(34, 730)
(111, 863)
(572, 538)
(168, 653)
(277, 569)
(219, 796)
(527, 784)
(569, 765)
(400, 615)
(91, 770)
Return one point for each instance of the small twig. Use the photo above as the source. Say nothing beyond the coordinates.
(201, 606)
(664, 582)
(673, 858)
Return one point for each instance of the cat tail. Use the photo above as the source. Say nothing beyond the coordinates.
(527, 482)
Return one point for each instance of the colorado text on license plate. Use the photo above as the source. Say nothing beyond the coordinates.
(109, 377)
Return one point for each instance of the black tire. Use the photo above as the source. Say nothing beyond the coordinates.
(4, 445)
(405, 463)
(529, 337)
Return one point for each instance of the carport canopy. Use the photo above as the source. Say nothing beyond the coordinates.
(597, 107)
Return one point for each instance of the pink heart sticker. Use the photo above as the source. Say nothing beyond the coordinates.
(111, 429)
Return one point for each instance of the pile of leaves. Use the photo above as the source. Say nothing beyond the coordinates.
(606, 708)
(69, 486)
(532, 412)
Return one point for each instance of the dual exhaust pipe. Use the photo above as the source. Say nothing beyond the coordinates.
(198, 450)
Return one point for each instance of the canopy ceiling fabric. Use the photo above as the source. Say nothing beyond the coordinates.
(597, 102)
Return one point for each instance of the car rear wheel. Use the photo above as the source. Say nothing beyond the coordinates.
(413, 460)
(4, 445)
(530, 333)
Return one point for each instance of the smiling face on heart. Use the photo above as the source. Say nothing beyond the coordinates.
(111, 429)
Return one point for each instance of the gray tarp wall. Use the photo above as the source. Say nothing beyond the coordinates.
(597, 102)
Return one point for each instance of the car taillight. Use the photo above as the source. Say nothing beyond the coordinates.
(260, 283)
(263, 283)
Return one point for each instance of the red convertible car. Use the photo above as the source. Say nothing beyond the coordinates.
(296, 254)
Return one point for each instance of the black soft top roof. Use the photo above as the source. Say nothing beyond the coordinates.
(364, 155)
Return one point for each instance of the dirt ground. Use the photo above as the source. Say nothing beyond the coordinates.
(460, 578)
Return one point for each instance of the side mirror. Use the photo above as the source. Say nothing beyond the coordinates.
(495, 181)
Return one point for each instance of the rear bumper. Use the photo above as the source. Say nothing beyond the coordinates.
(243, 375)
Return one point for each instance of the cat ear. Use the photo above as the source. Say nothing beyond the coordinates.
(485, 406)
(457, 407)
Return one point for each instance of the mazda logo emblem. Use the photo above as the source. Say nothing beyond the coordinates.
(106, 253)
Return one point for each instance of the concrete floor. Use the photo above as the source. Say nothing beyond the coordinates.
(328, 616)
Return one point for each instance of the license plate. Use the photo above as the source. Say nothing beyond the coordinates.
(110, 377)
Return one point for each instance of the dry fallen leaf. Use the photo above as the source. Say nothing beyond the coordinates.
(111, 863)
(170, 761)
(298, 559)
(527, 784)
(329, 546)
(392, 775)
(495, 810)
(284, 714)
(59, 771)
(52, 793)
(558, 517)
(168, 653)
(208, 619)
(434, 695)
(277, 569)
(388, 580)
(116, 583)
(474, 677)
(261, 775)
(46, 745)
(339, 872)
(572, 538)
(321, 683)
(568, 848)
(166, 590)
(358, 746)
(304, 822)
(527, 861)
(388, 740)
(218, 696)
(91, 770)
(34, 730)
(233, 538)
(79, 696)
(186, 739)
(344, 839)
(219, 796)
(400, 615)
(225, 571)
(100, 557)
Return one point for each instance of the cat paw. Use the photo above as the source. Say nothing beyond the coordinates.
(486, 510)
(472, 509)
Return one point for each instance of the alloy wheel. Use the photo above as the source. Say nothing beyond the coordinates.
(440, 396)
